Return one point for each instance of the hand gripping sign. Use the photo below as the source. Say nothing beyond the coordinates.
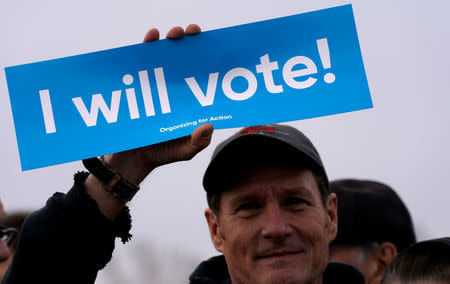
(285, 69)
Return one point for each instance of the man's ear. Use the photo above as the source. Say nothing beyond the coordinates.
(383, 256)
(214, 229)
(332, 217)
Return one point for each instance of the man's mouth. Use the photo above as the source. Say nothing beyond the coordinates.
(278, 254)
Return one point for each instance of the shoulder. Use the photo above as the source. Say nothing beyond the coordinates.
(338, 272)
(213, 270)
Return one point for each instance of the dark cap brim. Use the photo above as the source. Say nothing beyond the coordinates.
(238, 152)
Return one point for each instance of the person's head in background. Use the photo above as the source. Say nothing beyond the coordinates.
(373, 226)
(4, 249)
(426, 262)
(12, 223)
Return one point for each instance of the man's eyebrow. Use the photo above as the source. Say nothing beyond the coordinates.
(298, 190)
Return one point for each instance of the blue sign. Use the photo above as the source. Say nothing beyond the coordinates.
(285, 69)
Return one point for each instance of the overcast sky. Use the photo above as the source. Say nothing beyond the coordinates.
(403, 141)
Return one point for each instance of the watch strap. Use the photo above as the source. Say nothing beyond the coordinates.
(121, 188)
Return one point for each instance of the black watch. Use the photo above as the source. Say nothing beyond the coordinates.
(122, 189)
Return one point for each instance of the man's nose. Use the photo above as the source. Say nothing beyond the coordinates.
(276, 224)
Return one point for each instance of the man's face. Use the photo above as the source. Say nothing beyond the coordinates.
(4, 250)
(274, 228)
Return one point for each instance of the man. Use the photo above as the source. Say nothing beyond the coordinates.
(374, 225)
(271, 213)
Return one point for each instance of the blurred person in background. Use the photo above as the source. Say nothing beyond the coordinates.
(373, 226)
(13, 222)
(7, 237)
(426, 262)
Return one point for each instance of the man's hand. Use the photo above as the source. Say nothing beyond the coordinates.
(136, 164)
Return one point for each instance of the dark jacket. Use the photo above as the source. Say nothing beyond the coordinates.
(69, 241)
(66, 241)
(214, 271)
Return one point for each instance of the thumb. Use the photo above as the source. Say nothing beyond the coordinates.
(201, 137)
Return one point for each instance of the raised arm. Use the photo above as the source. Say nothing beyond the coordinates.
(136, 164)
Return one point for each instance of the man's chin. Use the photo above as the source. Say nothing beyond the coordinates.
(277, 262)
(279, 271)
(282, 277)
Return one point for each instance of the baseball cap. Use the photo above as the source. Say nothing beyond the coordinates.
(256, 144)
(442, 243)
(371, 211)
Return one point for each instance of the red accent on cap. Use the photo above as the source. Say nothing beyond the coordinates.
(252, 129)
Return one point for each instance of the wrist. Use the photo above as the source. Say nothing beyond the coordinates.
(129, 165)
(121, 188)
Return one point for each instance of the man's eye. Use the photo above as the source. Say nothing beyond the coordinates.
(248, 206)
(294, 201)
(248, 209)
